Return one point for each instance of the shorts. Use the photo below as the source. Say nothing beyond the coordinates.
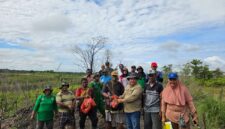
(114, 117)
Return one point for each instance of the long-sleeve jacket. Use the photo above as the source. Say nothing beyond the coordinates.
(132, 98)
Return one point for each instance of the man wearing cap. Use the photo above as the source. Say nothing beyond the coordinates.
(97, 93)
(133, 69)
(65, 100)
(159, 75)
(114, 115)
(152, 99)
(45, 107)
(131, 99)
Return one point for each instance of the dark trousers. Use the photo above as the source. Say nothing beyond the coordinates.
(152, 120)
(40, 124)
(92, 114)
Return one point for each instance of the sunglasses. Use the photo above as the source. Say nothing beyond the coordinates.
(172, 79)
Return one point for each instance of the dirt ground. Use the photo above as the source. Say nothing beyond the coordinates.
(22, 121)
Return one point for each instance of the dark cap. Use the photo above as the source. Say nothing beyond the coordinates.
(133, 67)
(132, 75)
(47, 88)
(64, 84)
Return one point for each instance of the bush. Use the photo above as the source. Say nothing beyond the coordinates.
(216, 82)
(214, 111)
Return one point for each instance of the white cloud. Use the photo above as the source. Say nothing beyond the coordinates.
(52, 27)
(215, 62)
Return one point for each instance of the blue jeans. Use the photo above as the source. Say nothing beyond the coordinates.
(133, 120)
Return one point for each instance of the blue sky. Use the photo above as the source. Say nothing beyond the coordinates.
(39, 35)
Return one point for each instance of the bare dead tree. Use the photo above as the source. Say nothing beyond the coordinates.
(86, 53)
(108, 55)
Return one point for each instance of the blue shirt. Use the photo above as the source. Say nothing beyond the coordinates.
(105, 79)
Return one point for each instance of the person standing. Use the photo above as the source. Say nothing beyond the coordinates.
(66, 105)
(132, 100)
(108, 67)
(89, 75)
(159, 75)
(82, 93)
(177, 104)
(114, 115)
(97, 93)
(102, 69)
(123, 77)
(133, 69)
(152, 93)
(141, 77)
(105, 78)
(45, 107)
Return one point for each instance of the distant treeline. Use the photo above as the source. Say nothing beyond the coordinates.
(35, 71)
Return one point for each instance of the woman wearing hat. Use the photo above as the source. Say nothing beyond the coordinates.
(177, 104)
(131, 99)
(45, 107)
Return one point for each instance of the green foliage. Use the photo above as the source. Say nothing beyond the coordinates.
(216, 82)
(214, 111)
(20, 89)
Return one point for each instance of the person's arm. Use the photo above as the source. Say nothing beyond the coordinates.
(59, 101)
(36, 106)
(191, 106)
(133, 96)
(163, 110)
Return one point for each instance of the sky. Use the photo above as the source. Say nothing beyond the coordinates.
(40, 34)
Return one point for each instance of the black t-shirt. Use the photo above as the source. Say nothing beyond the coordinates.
(113, 89)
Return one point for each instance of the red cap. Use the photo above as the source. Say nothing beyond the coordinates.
(154, 64)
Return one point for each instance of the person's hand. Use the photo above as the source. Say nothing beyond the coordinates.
(32, 116)
(120, 100)
(195, 119)
(163, 117)
(160, 114)
(71, 107)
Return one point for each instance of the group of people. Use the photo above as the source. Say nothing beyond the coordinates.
(121, 97)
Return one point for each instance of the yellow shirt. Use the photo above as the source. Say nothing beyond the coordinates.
(66, 99)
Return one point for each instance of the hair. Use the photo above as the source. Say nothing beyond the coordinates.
(83, 79)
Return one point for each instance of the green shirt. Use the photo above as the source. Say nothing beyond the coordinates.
(45, 107)
(97, 91)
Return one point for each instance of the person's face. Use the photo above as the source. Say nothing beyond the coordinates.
(139, 70)
(173, 83)
(96, 78)
(152, 77)
(114, 78)
(84, 83)
(124, 71)
(47, 92)
(132, 81)
(154, 67)
(133, 69)
(65, 88)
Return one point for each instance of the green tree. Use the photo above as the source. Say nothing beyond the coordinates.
(167, 69)
(196, 66)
